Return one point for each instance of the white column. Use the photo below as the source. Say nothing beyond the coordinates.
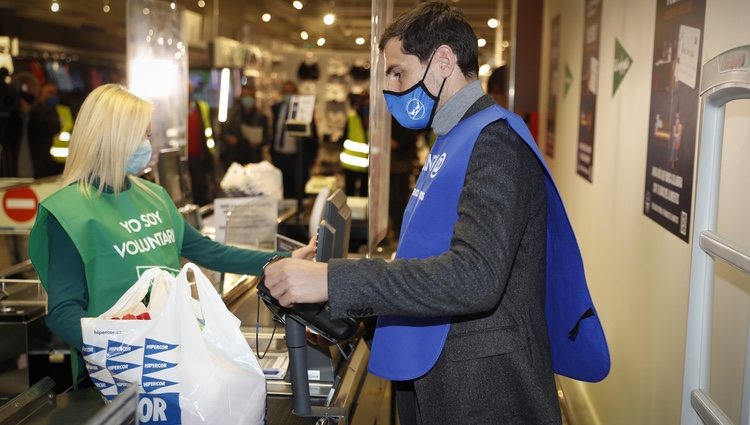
(157, 67)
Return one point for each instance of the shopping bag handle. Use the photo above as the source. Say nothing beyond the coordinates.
(135, 293)
(209, 299)
(220, 323)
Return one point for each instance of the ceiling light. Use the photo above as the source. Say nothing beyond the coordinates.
(201, 3)
(298, 4)
(303, 35)
(484, 69)
(329, 18)
(266, 17)
(492, 23)
(172, 5)
(55, 6)
(146, 10)
(321, 41)
(106, 8)
(481, 42)
(360, 41)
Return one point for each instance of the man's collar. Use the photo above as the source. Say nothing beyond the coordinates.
(454, 109)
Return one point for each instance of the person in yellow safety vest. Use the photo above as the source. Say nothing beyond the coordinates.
(59, 150)
(355, 152)
(200, 144)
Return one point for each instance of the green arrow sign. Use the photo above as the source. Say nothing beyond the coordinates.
(622, 65)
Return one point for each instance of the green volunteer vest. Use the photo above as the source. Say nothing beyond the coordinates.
(117, 238)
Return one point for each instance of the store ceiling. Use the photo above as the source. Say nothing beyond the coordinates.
(237, 19)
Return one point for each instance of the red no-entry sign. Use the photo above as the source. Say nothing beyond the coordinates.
(20, 203)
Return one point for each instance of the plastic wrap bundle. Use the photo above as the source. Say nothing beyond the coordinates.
(253, 180)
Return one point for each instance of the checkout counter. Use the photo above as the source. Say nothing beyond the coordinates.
(29, 356)
(336, 376)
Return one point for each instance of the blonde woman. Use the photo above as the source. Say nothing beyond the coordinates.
(92, 238)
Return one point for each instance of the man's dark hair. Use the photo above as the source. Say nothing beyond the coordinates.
(431, 25)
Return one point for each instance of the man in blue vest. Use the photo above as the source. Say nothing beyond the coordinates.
(464, 311)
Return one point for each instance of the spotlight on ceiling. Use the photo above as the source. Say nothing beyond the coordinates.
(492, 23)
(303, 35)
(360, 41)
(321, 41)
(329, 18)
(298, 4)
(481, 42)
(266, 17)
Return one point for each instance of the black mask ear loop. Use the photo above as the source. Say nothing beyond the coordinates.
(437, 98)
(429, 62)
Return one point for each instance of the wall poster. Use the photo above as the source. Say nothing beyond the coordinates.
(674, 113)
(554, 85)
(623, 61)
(589, 85)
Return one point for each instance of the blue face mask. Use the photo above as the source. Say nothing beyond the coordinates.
(140, 158)
(415, 107)
(247, 102)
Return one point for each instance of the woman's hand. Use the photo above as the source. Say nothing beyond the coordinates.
(306, 252)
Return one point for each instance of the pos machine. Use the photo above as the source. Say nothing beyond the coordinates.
(333, 241)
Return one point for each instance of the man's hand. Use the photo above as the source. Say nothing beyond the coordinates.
(306, 252)
(293, 281)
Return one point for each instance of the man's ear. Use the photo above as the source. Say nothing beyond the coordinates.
(446, 59)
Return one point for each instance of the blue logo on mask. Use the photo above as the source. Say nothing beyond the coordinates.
(415, 109)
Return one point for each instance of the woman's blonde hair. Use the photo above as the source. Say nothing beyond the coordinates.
(111, 124)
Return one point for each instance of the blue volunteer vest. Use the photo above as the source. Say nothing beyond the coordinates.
(406, 348)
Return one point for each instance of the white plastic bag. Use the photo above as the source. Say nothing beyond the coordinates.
(190, 359)
(253, 180)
